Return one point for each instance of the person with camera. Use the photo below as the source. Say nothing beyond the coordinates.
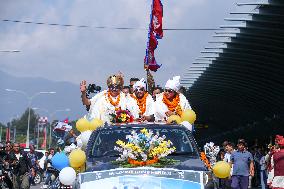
(21, 165)
(109, 101)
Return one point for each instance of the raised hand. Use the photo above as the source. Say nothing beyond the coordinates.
(83, 86)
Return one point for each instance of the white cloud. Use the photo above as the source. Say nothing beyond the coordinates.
(73, 54)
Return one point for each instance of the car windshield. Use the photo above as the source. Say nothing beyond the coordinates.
(106, 140)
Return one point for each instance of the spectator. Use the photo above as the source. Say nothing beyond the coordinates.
(133, 80)
(278, 164)
(48, 165)
(70, 138)
(34, 161)
(21, 164)
(242, 161)
(263, 173)
(126, 90)
(229, 148)
(5, 165)
(157, 90)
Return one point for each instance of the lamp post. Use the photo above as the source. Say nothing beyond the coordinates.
(51, 116)
(30, 99)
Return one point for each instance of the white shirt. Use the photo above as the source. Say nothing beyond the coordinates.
(150, 105)
(101, 107)
(161, 107)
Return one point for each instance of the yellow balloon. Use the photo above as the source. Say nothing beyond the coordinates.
(82, 125)
(174, 119)
(95, 123)
(222, 169)
(77, 158)
(188, 115)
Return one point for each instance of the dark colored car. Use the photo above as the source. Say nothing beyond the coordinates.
(101, 172)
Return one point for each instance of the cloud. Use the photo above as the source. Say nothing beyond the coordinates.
(74, 54)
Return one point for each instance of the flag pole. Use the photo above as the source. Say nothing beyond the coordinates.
(149, 76)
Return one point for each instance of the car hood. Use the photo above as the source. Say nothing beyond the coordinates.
(142, 177)
(185, 163)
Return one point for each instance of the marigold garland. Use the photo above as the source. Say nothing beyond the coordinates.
(173, 105)
(141, 103)
(114, 103)
(205, 160)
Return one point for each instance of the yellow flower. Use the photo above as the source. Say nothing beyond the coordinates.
(121, 143)
(144, 131)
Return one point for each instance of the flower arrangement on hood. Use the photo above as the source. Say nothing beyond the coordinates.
(145, 148)
(121, 116)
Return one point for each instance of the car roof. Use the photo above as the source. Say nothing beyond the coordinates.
(143, 125)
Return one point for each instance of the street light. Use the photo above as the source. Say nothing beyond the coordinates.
(10, 51)
(30, 98)
(51, 115)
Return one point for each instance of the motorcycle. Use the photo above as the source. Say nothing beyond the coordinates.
(4, 174)
(38, 176)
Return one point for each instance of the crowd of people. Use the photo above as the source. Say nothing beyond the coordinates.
(254, 166)
(19, 167)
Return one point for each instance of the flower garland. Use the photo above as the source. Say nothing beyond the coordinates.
(205, 160)
(109, 98)
(141, 103)
(173, 105)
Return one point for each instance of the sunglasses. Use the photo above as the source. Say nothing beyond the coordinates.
(140, 89)
(113, 87)
(169, 90)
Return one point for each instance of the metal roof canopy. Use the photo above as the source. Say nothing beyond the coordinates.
(244, 83)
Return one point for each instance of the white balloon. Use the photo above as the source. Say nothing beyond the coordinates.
(85, 137)
(67, 176)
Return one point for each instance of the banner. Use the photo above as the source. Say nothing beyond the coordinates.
(145, 177)
(8, 134)
(155, 32)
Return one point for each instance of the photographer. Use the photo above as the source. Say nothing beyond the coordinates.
(86, 91)
(21, 165)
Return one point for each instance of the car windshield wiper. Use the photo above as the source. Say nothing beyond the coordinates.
(182, 154)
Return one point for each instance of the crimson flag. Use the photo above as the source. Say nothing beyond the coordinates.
(155, 32)
(157, 18)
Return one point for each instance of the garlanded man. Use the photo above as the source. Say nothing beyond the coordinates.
(108, 101)
(171, 101)
(144, 101)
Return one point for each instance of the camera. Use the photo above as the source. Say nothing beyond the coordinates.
(92, 88)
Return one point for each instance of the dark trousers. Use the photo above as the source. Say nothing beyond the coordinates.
(240, 182)
(8, 182)
(226, 183)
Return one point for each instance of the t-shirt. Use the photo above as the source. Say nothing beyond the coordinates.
(241, 162)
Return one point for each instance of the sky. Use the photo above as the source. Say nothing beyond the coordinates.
(73, 54)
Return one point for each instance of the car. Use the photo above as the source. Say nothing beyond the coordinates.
(102, 172)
